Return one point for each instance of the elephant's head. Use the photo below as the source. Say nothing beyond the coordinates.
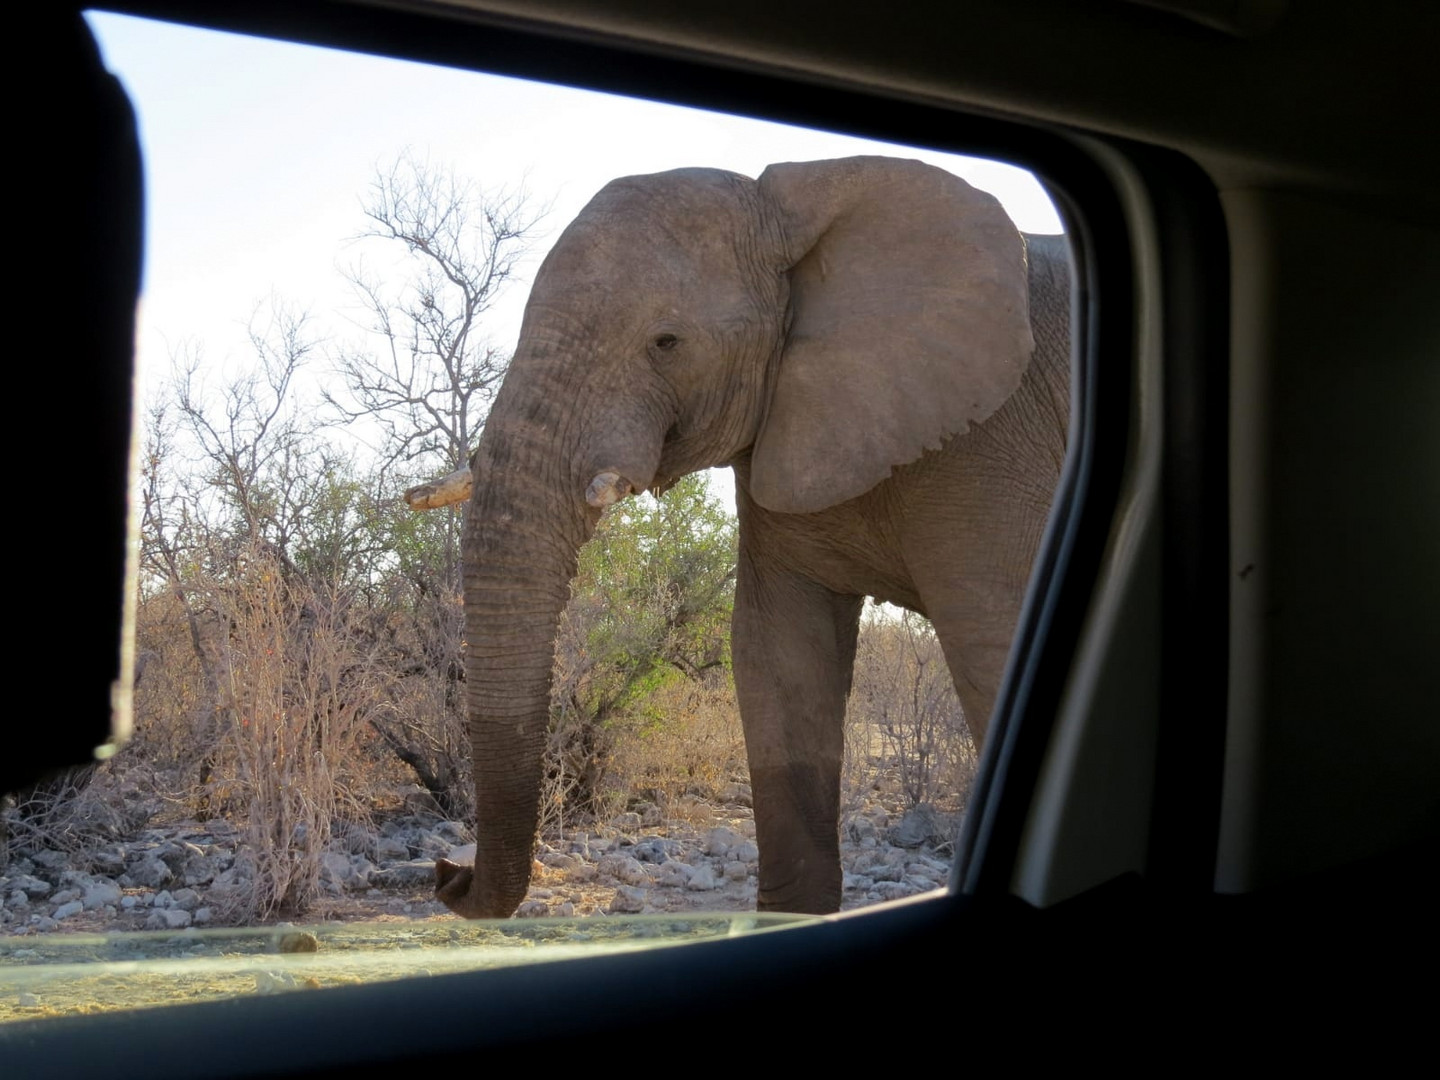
(832, 320)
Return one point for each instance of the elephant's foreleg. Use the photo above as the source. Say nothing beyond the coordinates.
(794, 649)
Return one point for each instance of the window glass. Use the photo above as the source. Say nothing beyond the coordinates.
(339, 253)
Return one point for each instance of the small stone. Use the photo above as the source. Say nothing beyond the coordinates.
(627, 822)
(893, 890)
(624, 868)
(456, 832)
(54, 861)
(26, 1000)
(736, 871)
(202, 915)
(150, 873)
(702, 879)
(627, 901)
(919, 825)
(721, 839)
(64, 896)
(128, 902)
(43, 923)
(101, 894)
(532, 909)
(64, 911)
(186, 899)
(737, 794)
(655, 849)
(108, 861)
(565, 910)
(198, 870)
(389, 849)
(167, 919)
(675, 874)
(560, 861)
(163, 899)
(745, 851)
(18, 899)
(32, 886)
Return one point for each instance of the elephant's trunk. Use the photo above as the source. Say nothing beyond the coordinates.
(525, 526)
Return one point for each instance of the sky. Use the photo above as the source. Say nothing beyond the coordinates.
(258, 154)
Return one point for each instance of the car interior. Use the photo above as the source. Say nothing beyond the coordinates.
(1212, 783)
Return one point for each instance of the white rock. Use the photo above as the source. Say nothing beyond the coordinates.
(150, 873)
(100, 894)
(198, 870)
(64, 896)
(162, 899)
(186, 899)
(31, 885)
(202, 915)
(43, 922)
(627, 822)
(746, 852)
(893, 890)
(128, 902)
(675, 874)
(627, 901)
(64, 911)
(721, 839)
(736, 871)
(624, 868)
(391, 849)
(27, 1000)
(532, 909)
(559, 861)
(565, 910)
(464, 854)
(702, 879)
(167, 919)
(737, 794)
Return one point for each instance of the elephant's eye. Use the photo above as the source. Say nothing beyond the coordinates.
(666, 342)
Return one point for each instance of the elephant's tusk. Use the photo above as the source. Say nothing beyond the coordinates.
(606, 489)
(437, 493)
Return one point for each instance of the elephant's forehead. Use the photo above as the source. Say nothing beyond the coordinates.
(627, 250)
(673, 220)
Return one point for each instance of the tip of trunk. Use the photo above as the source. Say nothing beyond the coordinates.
(456, 888)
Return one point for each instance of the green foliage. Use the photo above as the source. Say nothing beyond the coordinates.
(656, 588)
(649, 614)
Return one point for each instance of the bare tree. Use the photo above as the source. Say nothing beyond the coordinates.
(430, 382)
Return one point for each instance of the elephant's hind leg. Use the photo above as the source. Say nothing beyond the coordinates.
(794, 648)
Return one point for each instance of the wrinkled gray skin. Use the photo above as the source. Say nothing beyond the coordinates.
(853, 338)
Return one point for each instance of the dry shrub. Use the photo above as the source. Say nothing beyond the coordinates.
(297, 696)
(905, 728)
(688, 742)
(683, 739)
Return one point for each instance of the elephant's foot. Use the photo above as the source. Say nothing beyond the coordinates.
(805, 892)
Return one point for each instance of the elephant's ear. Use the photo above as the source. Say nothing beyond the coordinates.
(909, 323)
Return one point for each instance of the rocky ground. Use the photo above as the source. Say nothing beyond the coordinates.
(703, 859)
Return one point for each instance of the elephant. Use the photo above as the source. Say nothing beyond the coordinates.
(883, 360)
